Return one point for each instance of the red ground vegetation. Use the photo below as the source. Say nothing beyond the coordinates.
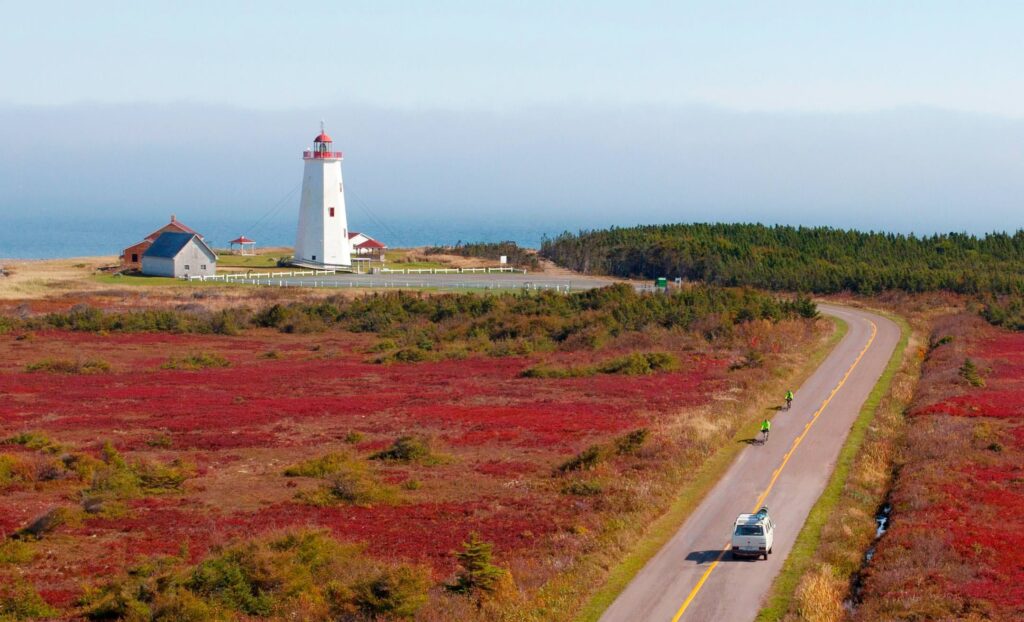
(286, 398)
(951, 551)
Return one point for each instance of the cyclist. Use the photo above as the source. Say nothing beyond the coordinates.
(789, 399)
(766, 427)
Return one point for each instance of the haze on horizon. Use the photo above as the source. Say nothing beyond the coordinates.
(871, 115)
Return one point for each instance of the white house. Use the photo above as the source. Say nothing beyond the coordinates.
(177, 254)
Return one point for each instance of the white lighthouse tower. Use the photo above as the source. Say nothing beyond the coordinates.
(322, 240)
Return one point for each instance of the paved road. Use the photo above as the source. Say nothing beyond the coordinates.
(691, 577)
(445, 281)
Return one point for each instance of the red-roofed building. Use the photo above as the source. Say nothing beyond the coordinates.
(131, 257)
(365, 246)
(246, 245)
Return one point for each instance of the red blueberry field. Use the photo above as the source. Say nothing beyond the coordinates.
(952, 551)
(287, 398)
(123, 450)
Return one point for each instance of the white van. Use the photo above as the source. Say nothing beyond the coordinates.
(753, 535)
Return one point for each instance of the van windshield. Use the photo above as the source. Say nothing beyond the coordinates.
(749, 530)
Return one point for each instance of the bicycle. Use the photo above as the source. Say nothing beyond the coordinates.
(789, 403)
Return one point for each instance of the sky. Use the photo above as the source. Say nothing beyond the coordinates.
(875, 115)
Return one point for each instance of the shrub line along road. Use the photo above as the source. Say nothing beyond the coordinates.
(467, 280)
(693, 577)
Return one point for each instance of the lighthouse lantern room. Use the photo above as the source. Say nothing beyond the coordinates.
(322, 240)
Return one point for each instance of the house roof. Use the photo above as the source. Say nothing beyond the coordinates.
(175, 223)
(137, 244)
(170, 243)
(352, 234)
(370, 243)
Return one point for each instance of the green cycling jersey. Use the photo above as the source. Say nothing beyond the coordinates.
(766, 425)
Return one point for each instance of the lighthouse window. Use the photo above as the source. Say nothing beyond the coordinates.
(332, 212)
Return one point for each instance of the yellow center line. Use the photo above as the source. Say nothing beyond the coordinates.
(778, 471)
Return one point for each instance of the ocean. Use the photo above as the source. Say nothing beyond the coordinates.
(37, 237)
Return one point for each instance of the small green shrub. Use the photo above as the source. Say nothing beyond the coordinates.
(303, 324)
(348, 481)
(16, 552)
(384, 345)
(115, 478)
(969, 372)
(407, 449)
(394, 592)
(226, 322)
(325, 465)
(752, 359)
(181, 605)
(635, 364)
(274, 316)
(7, 324)
(83, 465)
(156, 477)
(36, 441)
(409, 355)
(586, 460)
(412, 484)
(631, 442)
(358, 487)
(65, 366)
(545, 371)
(20, 601)
(354, 437)
(242, 579)
(640, 364)
(299, 575)
(14, 470)
(197, 360)
(582, 488)
(160, 441)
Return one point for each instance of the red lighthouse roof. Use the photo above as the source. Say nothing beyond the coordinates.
(321, 148)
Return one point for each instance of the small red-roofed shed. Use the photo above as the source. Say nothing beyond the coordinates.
(246, 246)
(364, 245)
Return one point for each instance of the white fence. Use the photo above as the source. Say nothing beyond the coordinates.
(448, 270)
(242, 276)
(245, 276)
(353, 284)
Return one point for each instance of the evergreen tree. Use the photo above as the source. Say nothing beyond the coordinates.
(478, 574)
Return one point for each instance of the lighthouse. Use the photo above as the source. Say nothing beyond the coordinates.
(322, 239)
